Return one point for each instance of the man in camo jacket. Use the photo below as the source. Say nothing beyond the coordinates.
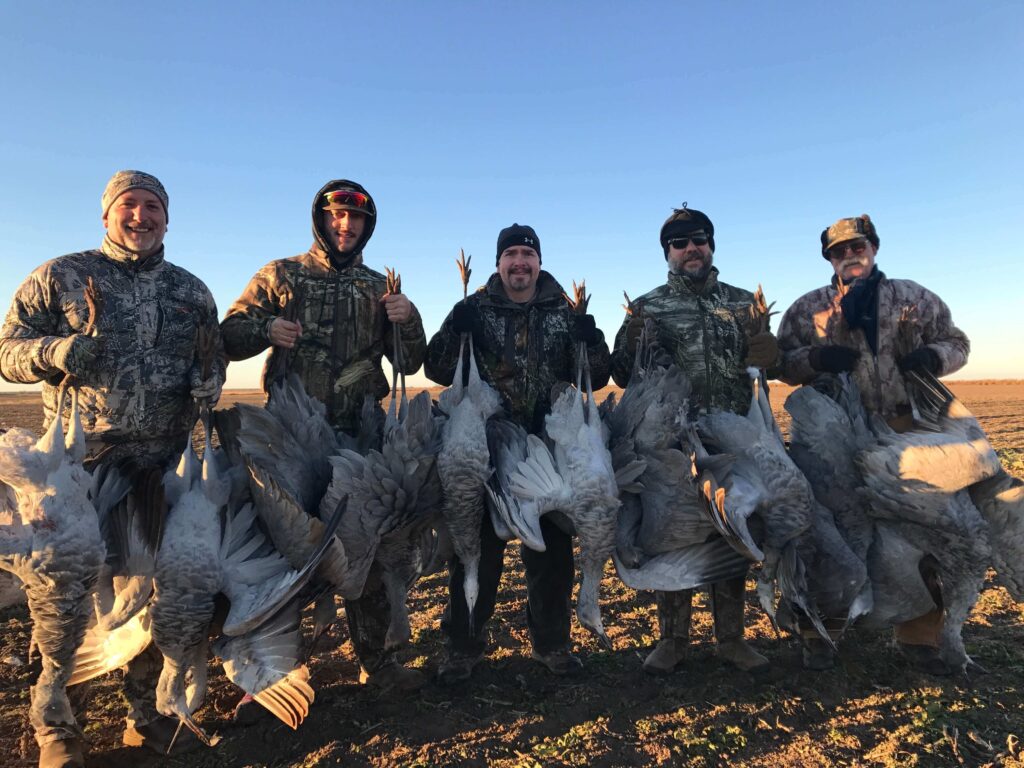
(703, 326)
(525, 341)
(328, 318)
(873, 328)
(139, 376)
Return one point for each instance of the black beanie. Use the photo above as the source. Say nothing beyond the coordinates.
(517, 234)
(685, 221)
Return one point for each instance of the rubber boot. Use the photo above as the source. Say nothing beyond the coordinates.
(66, 753)
(727, 608)
(674, 609)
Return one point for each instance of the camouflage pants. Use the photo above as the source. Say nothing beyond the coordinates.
(549, 577)
(368, 618)
(139, 679)
(727, 605)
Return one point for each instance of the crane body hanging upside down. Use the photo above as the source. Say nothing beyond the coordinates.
(54, 546)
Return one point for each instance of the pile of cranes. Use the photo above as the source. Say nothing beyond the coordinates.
(850, 522)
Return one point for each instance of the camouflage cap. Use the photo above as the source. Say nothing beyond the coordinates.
(122, 181)
(845, 230)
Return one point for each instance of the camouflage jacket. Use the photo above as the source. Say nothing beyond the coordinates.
(345, 331)
(521, 349)
(150, 313)
(909, 316)
(704, 330)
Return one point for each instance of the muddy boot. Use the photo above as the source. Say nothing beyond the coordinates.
(674, 610)
(457, 668)
(925, 658)
(727, 609)
(817, 655)
(393, 676)
(66, 753)
(158, 735)
(560, 662)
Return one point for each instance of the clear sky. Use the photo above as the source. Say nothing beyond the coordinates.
(589, 121)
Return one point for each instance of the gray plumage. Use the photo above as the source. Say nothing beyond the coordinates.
(664, 540)
(581, 455)
(54, 546)
(463, 465)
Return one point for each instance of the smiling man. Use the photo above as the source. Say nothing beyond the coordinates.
(873, 328)
(525, 340)
(138, 374)
(700, 325)
(329, 319)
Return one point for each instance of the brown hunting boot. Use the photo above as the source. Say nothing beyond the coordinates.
(393, 676)
(727, 609)
(674, 609)
(66, 753)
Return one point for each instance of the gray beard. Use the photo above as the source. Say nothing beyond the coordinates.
(698, 276)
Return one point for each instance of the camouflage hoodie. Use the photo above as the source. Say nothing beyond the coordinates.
(345, 331)
(147, 325)
(909, 316)
(704, 329)
(521, 349)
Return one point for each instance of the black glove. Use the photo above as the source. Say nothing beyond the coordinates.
(833, 358)
(464, 318)
(75, 354)
(583, 328)
(921, 359)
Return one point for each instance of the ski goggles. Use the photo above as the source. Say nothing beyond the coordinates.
(345, 199)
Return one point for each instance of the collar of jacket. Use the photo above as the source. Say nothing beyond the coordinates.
(682, 283)
(126, 258)
(549, 292)
(319, 257)
(876, 275)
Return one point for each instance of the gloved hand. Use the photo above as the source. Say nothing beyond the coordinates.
(584, 329)
(762, 350)
(465, 318)
(833, 358)
(75, 355)
(633, 330)
(921, 359)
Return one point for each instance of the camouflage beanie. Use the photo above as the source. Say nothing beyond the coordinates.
(122, 181)
(517, 234)
(685, 221)
(845, 230)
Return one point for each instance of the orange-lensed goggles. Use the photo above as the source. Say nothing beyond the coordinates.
(345, 198)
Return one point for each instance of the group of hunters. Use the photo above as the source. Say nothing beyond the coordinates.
(332, 318)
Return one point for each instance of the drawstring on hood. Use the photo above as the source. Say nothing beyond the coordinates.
(322, 238)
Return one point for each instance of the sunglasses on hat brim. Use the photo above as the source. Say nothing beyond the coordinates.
(346, 198)
(682, 242)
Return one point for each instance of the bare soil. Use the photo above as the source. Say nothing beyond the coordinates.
(872, 710)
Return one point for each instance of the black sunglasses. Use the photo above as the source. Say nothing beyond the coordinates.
(682, 242)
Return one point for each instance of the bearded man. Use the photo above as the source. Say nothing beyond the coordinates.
(525, 340)
(700, 325)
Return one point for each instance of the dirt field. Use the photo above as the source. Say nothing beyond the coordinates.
(870, 711)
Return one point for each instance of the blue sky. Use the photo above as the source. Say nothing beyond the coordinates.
(589, 122)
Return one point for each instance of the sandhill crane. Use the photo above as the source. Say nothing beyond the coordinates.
(462, 462)
(54, 546)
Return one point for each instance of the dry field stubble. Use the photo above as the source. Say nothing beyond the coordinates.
(870, 711)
